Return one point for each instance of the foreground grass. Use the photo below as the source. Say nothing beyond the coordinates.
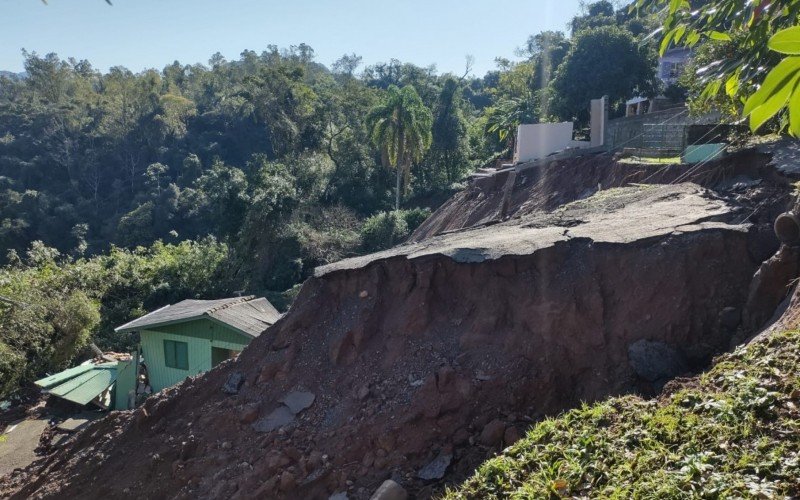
(733, 432)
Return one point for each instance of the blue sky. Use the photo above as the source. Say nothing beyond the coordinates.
(142, 34)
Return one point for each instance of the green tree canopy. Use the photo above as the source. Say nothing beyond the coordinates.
(602, 61)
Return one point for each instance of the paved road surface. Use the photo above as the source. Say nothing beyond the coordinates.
(18, 442)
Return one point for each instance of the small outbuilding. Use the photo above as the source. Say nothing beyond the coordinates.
(193, 336)
(106, 381)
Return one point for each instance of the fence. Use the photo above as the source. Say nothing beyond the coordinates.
(656, 130)
(668, 138)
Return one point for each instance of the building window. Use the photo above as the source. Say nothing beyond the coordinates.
(176, 354)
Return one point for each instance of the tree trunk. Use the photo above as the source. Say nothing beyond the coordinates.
(400, 163)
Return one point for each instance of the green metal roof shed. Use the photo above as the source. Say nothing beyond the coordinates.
(105, 384)
(193, 336)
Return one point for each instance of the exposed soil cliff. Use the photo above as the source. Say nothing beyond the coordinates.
(419, 362)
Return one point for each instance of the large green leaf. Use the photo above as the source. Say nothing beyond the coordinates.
(666, 41)
(794, 111)
(786, 41)
(771, 106)
(711, 90)
(732, 84)
(776, 79)
(718, 35)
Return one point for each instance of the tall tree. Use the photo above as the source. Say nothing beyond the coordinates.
(449, 149)
(401, 128)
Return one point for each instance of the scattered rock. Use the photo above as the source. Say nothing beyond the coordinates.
(140, 416)
(249, 415)
(363, 393)
(512, 435)
(461, 436)
(287, 481)
(188, 449)
(436, 468)
(268, 372)
(77, 422)
(492, 433)
(730, 318)
(342, 495)
(655, 361)
(298, 401)
(389, 490)
(280, 417)
(234, 383)
(386, 441)
(364, 294)
(58, 440)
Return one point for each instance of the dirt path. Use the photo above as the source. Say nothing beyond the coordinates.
(18, 443)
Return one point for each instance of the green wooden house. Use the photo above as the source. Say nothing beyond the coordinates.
(193, 336)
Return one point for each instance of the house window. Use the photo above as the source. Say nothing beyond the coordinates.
(176, 354)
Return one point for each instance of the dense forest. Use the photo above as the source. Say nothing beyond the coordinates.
(121, 192)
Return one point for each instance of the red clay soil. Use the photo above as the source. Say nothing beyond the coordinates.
(432, 358)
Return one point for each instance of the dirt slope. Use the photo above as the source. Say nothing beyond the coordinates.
(421, 361)
(491, 200)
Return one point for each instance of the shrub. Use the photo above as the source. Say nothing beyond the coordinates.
(384, 230)
(12, 366)
(415, 217)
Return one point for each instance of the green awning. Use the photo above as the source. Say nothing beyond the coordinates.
(81, 384)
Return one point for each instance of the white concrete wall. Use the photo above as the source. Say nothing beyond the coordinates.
(599, 113)
(538, 140)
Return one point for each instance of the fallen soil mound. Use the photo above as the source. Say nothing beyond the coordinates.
(419, 362)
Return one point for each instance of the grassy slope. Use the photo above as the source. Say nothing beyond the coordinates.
(731, 432)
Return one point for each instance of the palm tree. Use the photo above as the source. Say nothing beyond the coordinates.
(508, 114)
(400, 127)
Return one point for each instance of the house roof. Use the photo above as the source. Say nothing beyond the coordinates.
(248, 315)
(82, 383)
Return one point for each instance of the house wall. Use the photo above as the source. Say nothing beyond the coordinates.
(126, 382)
(200, 335)
(538, 140)
(672, 63)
